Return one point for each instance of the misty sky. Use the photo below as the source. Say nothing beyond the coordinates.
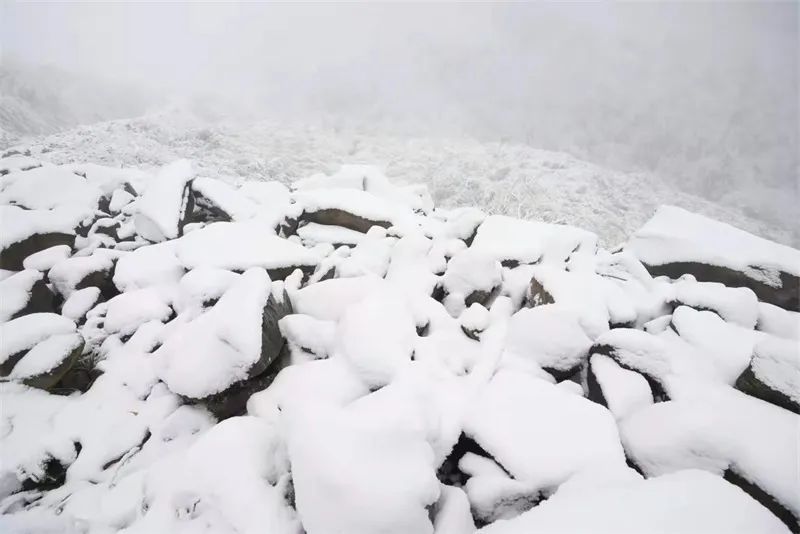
(699, 92)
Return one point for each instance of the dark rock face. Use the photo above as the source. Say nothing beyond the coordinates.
(595, 390)
(766, 500)
(337, 217)
(538, 295)
(202, 209)
(12, 256)
(41, 300)
(48, 380)
(233, 401)
(748, 382)
(787, 296)
(659, 393)
(274, 357)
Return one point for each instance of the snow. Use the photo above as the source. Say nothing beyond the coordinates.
(549, 335)
(776, 363)
(625, 391)
(46, 356)
(308, 336)
(735, 304)
(376, 336)
(314, 233)
(19, 224)
(777, 321)
(15, 292)
(16, 163)
(390, 478)
(475, 318)
(471, 270)
(329, 299)
(716, 428)
(217, 349)
(453, 514)
(679, 503)
(202, 286)
(677, 235)
(148, 266)
(239, 246)
(222, 196)
(78, 304)
(506, 238)
(129, 310)
(346, 432)
(67, 274)
(539, 432)
(728, 346)
(24, 332)
(359, 203)
(47, 188)
(45, 259)
(119, 199)
(160, 208)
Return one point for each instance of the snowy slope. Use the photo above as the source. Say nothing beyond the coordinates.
(501, 178)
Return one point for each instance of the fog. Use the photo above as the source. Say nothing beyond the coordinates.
(704, 95)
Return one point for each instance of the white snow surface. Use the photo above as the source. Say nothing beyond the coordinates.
(46, 356)
(381, 380)
(15, 292)
(677, 235)
(217, 349)
(539, 432)
(625, 391)
(160, 209)
(550, 335)
(679, 503)
(45, 259)
(716, 428)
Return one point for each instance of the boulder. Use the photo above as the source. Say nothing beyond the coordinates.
(551, 336)
(353, 209)
(163, 209)
(774, 373)
(23, 293)
(80, 272)
(234, 341)
(676, 242)
(44, 365)
(26, 232)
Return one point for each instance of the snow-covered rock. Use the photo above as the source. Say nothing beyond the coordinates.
(26, 232)
(550, 336)
(23, 293)
(774, 373)
(686, 501)
(161, 211)
(676, 242)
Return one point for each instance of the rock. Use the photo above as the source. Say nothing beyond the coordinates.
(721, 430)
(472, 276)
(551, 336)
(541, 436)
(23, 333)
(774, 373)
(516, 242)
(27, 232)
(233, 401)
(236, 340)
(24, 293)
(677, 242)
(620, 390)
(80, 272)
(219, 245)
(44, 365)
(163, 209)
(348, 208)
(214, 200)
